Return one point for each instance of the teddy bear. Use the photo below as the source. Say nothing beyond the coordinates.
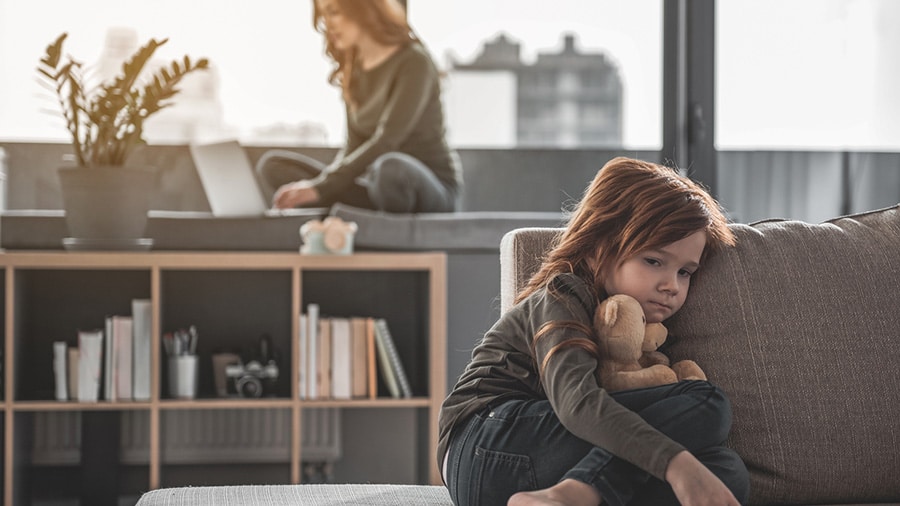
(628, 348)
(329, 236)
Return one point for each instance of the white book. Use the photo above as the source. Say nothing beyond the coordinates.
(142, 314)
(109, 363)
(312, 356)
(122, 328)
(90, 355)
(301, 359)
(60, 352)
(341, 359)
(389, 360)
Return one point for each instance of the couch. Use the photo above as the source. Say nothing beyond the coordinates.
(798, 323)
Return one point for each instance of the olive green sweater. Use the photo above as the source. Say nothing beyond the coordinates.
(399, 109)
(503, 368)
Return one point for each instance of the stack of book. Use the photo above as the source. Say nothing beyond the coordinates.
(340, 357)
(112, 363)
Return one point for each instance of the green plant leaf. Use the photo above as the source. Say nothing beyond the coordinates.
(106, 123)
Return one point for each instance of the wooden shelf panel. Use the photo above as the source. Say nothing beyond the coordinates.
(221, 260)
(414, 402)
(78, 406)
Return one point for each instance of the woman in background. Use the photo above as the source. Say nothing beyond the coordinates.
(396, 156)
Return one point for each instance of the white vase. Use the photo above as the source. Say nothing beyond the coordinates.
(107, 205)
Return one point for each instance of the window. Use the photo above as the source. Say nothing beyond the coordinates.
(808, 74)
(269, 81)
(807, 113)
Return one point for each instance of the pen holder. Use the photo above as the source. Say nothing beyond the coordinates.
(183, 376)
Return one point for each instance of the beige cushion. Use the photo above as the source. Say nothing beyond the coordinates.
(521, 254)
(298, 495)
(800, 325)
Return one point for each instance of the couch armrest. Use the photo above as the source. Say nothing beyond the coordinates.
(521, 253)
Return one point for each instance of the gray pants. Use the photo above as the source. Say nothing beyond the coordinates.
(394, 182)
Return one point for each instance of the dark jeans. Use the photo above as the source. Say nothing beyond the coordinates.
(394, 182)
(521, 445)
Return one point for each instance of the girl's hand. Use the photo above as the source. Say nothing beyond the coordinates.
(695, 485)
(298, 193)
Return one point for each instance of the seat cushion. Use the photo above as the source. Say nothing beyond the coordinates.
(170, 230)
(457, 231)
(293, 495)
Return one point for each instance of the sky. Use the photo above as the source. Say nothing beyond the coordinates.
(791, 73)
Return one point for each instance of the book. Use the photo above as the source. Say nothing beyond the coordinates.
(302, 350)
(389, 360)
(323, 365)
(341, 359)
(59, 370)
(90, 359)
(371, 369)
(142, 314)
(359, 358)
(109, 363)
(312, 341)
(72, 371)
(122, 338)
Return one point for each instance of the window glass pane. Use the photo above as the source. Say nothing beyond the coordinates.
(808, 74)
(535, 73)
(269, 79)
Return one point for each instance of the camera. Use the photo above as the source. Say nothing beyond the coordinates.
(253, 379)
(258, 377)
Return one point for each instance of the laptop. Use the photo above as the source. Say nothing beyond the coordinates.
(229, 180)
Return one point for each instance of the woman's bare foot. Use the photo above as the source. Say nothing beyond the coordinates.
(565, 493)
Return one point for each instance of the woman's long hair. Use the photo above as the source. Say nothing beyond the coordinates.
(631, 206)
(383, 20)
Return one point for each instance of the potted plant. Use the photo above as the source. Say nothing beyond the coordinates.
(106, 200)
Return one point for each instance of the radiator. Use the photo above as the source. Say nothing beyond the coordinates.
(197, 436)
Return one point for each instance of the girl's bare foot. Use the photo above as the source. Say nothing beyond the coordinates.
(565, 493)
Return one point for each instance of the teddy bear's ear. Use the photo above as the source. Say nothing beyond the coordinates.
(611, 312)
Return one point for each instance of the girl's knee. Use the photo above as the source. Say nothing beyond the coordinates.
(730, 468)
(717, 407)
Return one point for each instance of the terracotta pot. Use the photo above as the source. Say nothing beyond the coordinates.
(107, 203)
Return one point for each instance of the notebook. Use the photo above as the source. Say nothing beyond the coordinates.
(229, 180)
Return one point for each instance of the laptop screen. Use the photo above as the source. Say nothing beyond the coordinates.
(228, 179)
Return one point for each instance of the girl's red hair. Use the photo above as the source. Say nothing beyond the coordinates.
(631, 206)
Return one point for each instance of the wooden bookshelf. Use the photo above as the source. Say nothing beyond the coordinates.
(48, 295)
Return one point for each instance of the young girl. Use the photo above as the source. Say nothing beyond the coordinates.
(516, 430)
(396, 157)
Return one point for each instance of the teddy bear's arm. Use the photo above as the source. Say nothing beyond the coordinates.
(688, 370)
(649, 358)
(650, 377)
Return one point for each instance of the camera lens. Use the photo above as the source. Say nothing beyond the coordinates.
(249, 386)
